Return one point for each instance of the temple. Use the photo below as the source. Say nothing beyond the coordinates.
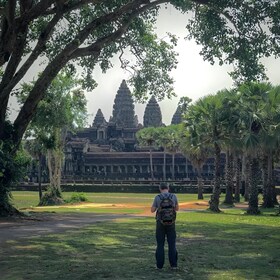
(109, 149)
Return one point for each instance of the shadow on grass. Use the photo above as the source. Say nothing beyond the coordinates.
(210, 247)
(230, 246)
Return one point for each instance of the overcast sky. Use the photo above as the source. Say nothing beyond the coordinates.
(193, 77)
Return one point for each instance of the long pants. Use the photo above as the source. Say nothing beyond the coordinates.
(170, 232)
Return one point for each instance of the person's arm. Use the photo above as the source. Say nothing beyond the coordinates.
(153, 209)
(154, 206)
(176, 204)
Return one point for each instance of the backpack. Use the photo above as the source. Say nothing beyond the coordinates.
(166, 212)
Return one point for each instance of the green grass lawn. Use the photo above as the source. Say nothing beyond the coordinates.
(229, 245)
(211, 246)
(24, 199)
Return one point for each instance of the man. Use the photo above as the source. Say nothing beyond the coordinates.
(165, 229)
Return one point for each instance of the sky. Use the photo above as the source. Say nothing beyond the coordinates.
(193, 77)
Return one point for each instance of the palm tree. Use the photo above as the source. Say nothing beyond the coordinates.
(147, 137)
(173, 143)
(252, 100)
(230, 117)
(204, 121)
(270, 142)
(162, 141)
(197, 155)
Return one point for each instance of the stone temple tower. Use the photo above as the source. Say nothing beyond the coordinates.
(99, 119)
(177, 117)
(123, 109)
(152, 114)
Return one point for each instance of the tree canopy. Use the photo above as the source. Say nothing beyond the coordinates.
(243, 123)
(81, 34)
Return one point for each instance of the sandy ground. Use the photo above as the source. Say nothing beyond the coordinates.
(39, 224)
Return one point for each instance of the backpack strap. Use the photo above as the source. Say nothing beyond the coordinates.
(170, 195)
(161, 196)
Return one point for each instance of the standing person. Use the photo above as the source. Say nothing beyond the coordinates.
(166, 205)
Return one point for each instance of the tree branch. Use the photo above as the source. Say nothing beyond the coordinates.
(45, 34)
(7, 36)
(36, 11)
(10, 70)
(132, 9)
(25, 5)
(70, 7)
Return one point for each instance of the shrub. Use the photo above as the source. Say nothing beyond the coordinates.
(77, 197)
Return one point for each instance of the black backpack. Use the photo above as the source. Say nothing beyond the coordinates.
(166, 212)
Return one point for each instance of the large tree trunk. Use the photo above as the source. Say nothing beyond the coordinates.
(268, 193)
(54, 195)
(8, 172)
(229, 178)
(238, 176)
(215, 197)
(54, 165)
(253, 208)
(6, 207)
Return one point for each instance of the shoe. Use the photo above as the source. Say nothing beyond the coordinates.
(174, 268)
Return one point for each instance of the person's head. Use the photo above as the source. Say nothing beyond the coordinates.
(164, 187)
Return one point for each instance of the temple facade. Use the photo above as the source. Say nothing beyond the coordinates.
(109, 150)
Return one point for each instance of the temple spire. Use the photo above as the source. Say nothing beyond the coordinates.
(99, 118)
(152, 114)
(123, 109)
(177, 117)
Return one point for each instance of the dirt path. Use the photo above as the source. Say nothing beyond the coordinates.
(48, 223)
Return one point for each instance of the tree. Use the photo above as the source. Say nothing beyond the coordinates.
(162, 141)
(47, 31)
(231, 145)
(172, 133)
(36, 149)
(196, 153)
(13, 167)
(204, 121)
(147, 138)
(270, 143)
(62, 111)
(252, 100)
